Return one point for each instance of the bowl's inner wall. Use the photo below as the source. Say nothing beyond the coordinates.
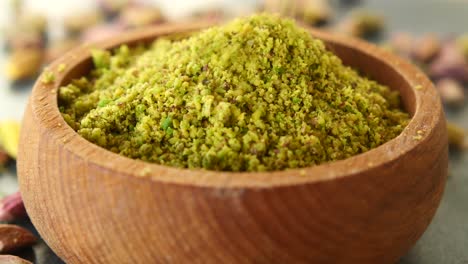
(370, 66)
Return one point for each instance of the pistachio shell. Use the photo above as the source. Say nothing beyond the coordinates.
(456, 135)
(362, 23)
(24, 64)
(10, 259)
(140, 16)
(426, 48)
(450, 63)
(451, 92)
(9, 137)
(314, 12)
(78, 23)
(13, 237)
(12, 207)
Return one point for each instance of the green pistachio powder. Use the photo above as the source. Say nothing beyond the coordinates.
(257, 94)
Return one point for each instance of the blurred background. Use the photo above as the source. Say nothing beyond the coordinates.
(432, 34)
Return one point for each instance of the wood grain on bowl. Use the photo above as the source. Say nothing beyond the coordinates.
(95, 206)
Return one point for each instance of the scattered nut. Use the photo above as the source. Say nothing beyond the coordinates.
(12, 208)
(361, 24)
(402, 43)
(139, 16)
(16, 40)
(9, 137)
(451, 92)
(32, 23)
(102, 32)
(112, 8)
(450, 63)
(24, 64)
(13, 237)
(314, 12)
(29, 31)
(456, 136)
(10, 259)
(426, 48)
(78, 23)
(59, 48)
(282, 7)
(462, 42)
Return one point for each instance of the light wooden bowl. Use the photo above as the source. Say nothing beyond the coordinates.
(92, 206)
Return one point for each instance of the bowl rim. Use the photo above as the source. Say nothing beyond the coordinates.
(44, 106)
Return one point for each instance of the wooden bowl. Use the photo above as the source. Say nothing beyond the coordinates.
(94, 206)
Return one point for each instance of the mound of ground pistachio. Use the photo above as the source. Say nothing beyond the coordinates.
(257, 94)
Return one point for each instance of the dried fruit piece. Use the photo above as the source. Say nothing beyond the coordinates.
(450, 63)
(456, 136)
(140, 16)
(9, 137)
(12, 208)
(426, 48)
(10, 259)
(24, 64)
(78, 23)
(362, 24)
(451, 92)
(13, 237)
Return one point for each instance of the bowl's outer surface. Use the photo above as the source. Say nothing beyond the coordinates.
(91, 207)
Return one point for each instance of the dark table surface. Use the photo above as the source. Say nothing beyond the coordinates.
(446, 239)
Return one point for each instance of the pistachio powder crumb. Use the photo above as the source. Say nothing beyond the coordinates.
(257, 94)
(62, 67)
(418, 87)
(48, 77)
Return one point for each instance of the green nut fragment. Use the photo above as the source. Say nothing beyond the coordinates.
(48, 77)
(101, 58)
(62, 67)
(257, 94)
